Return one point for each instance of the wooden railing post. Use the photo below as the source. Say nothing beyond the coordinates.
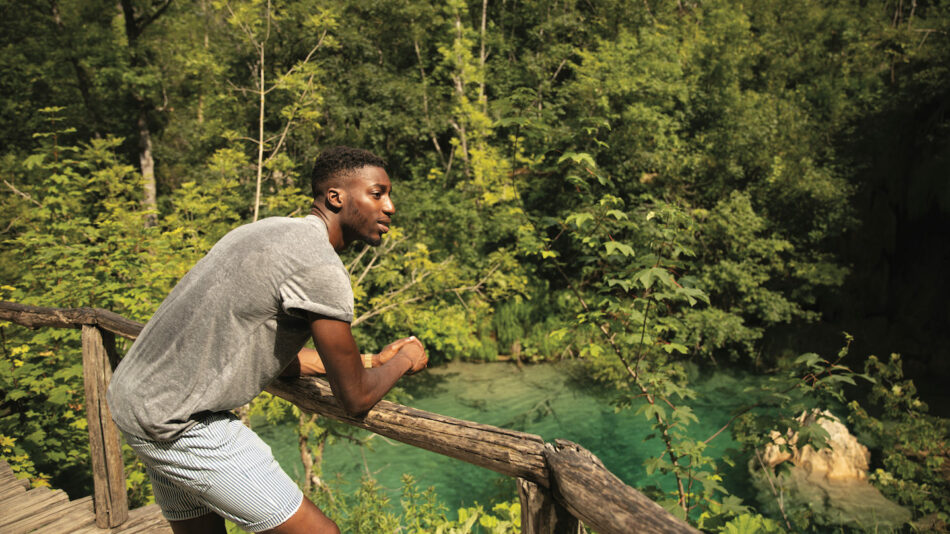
(602, 501)
(541, 514)
(105, 451)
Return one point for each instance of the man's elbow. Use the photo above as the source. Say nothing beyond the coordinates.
(355, 406)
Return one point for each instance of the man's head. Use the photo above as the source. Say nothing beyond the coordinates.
(351, 194)
(334, 165)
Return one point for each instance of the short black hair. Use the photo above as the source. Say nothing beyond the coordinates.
(338, 160)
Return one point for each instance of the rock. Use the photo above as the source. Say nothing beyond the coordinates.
(843, 459)
(831, 484)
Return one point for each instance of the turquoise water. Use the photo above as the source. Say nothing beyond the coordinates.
(539, 399)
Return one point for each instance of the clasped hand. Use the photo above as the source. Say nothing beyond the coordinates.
(409, 347)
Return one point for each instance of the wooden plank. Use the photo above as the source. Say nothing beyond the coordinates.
(13, 502)
(87, 528)
(9, 481)
(78, 518)
(12, 487)
(600, 499)
(10, 493)
(6, 472)
(25, 505)
(41, 520)
(505, 451)
(105, 451)
(37, 316)
(147, 519)
(541, 514)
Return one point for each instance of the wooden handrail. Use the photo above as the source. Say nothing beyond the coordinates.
(37, 316)
(508, 452)
(558, 484)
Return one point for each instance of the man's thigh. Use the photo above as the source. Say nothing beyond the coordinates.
(219, 466)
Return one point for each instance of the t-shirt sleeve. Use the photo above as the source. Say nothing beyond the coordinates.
(322, 289)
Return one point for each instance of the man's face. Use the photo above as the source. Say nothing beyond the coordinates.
(367, 206)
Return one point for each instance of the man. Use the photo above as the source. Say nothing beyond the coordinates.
(235, 322)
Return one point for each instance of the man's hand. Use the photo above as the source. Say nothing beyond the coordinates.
(356, 387)
(413, 350)
(410, 346)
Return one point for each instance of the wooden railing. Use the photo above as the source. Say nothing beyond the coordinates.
(560, 485)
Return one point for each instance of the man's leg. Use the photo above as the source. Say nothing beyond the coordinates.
(206, 524)
(220, 469)
(307, 519)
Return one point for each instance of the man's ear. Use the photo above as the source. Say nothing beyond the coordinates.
(334, 198)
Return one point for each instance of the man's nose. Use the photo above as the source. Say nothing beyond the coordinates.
(388, 207)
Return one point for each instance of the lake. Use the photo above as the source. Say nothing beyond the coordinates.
(539, 399)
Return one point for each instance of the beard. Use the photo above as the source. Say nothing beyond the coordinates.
(361, 227)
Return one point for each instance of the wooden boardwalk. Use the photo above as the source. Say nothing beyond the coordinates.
(50, 511)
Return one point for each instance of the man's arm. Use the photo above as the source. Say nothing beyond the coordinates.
(358, 388)
(309, 363)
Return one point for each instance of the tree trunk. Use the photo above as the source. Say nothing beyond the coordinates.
(260, 132)
(303, 442)
(82, 76)
(149, 199)
(133, 28)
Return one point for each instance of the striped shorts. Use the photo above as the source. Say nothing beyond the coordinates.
(220, 466)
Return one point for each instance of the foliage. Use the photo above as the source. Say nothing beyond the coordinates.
(369, 510)
(37, 383)
(729, 518)
(909, 445)
(806, 383)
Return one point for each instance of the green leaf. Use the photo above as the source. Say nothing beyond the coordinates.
(647, 277)
(613, 247)
(809, 359)
(579, 157)
(33, 161)
(625, 284)
(579, 219)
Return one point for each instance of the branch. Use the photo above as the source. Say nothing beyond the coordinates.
(356, 260)
(368, 267)
(244, 138)
(391, 305)
(744, 411)
(392, 294)
(290, 121)
(300, 63)
(558, 71)
(242, 89)
(151, 18)
(661, 423)
(425, 102)
(247, 30)
(21, 193)
(377, 252)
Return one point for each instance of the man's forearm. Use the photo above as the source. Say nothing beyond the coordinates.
(362, 392)
(308, 363)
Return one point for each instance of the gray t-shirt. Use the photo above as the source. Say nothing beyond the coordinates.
(230, 326)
